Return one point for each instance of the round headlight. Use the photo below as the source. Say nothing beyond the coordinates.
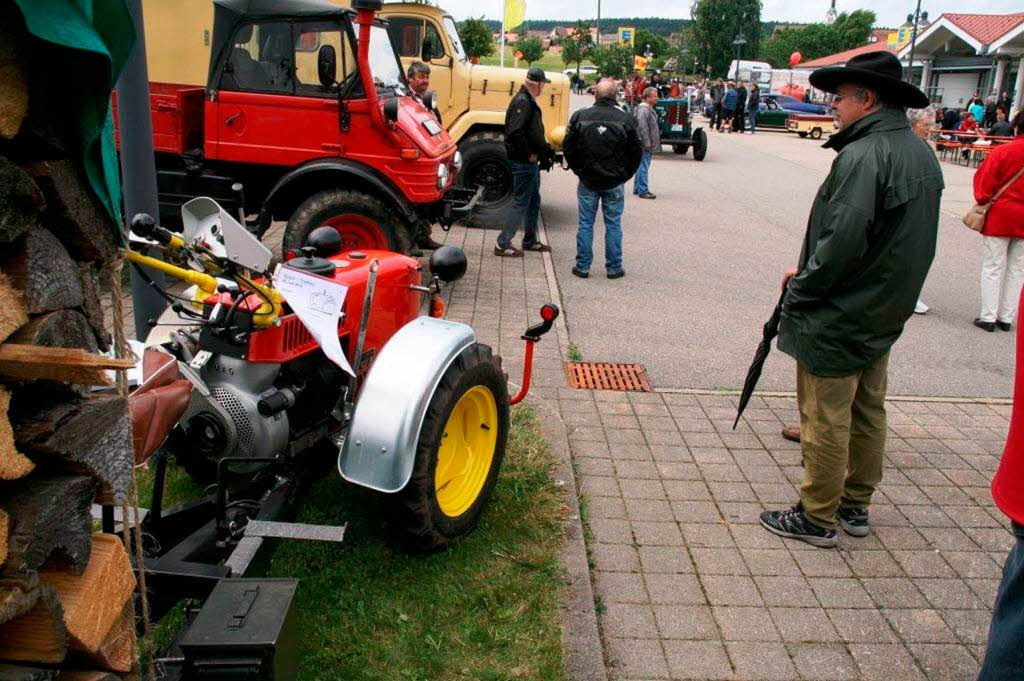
(458, 161)
(442, 175)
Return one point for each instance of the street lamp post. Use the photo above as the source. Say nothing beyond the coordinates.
(739, 42)
(914, 19)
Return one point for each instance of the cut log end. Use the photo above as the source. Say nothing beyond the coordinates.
(13, 464)
(91, 435)
(13, 314)
(40, 527)
(38, 635)
(94, 601)
(60, 329)
(117, 651)
(40, 267)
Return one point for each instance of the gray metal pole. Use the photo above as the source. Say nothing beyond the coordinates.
(138, 167)
(913, 44)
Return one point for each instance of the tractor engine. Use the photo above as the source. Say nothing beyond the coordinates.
(227, 421)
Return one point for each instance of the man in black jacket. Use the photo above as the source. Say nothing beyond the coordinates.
(527, 150)
(603, 148)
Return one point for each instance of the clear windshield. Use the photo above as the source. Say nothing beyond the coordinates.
(453, 35)
(384, 65)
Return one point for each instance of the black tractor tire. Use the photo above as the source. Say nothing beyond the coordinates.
(365, 222)
(680, 149)
(484, 161)
(416, 518)
(816, 134)
(803, 135)
(700, 144)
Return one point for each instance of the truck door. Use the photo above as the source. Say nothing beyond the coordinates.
(408, 33)
(270, 107)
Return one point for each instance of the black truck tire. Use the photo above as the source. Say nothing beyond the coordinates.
(700, 144)
(816, 134)
(363, 220)
(425, 516)
(485, 162)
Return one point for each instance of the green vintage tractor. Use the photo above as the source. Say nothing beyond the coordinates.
(676, 129)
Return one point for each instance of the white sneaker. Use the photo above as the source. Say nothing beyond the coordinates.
(920, 308)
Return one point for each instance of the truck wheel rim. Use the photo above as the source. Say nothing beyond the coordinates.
(495, 178)
(466, 453)
(358, 232)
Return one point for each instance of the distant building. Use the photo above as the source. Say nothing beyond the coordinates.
(960, 56)
(956, 57)
(830, 15)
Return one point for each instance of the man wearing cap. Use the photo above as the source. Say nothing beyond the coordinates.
(527, 150)
(869, 243)
(418, 75)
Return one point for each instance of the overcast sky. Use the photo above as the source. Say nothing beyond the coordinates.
(889, 13)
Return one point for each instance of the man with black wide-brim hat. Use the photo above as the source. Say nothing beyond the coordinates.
(869, 243)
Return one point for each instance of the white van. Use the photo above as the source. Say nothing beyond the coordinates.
(746, 67)
(584, 71)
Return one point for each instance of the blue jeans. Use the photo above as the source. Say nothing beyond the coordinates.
(1004, 658)
(525, 204)
(612, 203)
(753, 120)
(640, 179)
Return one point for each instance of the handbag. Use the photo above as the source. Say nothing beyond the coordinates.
(975, 217)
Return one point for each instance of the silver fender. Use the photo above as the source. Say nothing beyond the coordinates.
(380, 447)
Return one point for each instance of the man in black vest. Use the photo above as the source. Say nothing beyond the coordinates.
(528, 151)
(603, 148)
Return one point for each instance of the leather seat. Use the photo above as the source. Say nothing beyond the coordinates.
(157, 404)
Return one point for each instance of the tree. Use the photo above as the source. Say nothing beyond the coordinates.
(716, 23)
(578, 46)
(659, 46)
(819, 40)
(615, 62)
(476, 38)
(531, 48)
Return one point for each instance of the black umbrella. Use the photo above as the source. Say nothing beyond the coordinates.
(770, 331)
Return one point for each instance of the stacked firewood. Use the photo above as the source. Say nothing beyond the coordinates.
(66, 605)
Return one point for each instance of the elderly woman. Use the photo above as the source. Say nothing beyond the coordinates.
(921, 122)
(1002, 266)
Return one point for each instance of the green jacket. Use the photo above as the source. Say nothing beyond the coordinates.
(869, 243)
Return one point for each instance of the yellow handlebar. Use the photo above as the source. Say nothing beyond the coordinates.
(208, 284)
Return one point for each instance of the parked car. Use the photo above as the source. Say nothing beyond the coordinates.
(769, 113)
(794, 104)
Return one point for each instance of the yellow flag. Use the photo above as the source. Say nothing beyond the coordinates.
(515, 12)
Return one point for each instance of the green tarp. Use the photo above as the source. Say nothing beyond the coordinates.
(81, 49)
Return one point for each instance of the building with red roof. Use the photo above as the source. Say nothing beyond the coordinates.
(970, 55)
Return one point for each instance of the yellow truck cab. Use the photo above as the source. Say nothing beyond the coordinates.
(471, 98)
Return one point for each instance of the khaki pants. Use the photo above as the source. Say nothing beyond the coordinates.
(842, 439)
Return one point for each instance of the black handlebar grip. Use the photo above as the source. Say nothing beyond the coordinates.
(144, 225)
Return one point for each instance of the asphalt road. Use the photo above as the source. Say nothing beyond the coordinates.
(704, 260)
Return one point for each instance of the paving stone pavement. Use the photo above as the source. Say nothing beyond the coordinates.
(692, 587)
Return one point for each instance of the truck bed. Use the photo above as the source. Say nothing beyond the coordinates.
(177, 114)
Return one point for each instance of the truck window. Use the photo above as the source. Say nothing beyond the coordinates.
(320, 33)
(261, 59)
(407, 32)
(453, 35)
(435, 41)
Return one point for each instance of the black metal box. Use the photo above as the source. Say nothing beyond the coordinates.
(245, 630)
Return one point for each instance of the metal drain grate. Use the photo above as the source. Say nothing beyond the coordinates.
(605, 376)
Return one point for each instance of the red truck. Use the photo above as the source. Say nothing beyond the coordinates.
(307, 107)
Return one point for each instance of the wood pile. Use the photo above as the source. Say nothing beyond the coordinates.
(66, 592)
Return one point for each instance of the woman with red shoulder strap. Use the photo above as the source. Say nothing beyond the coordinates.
(1002, 268)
